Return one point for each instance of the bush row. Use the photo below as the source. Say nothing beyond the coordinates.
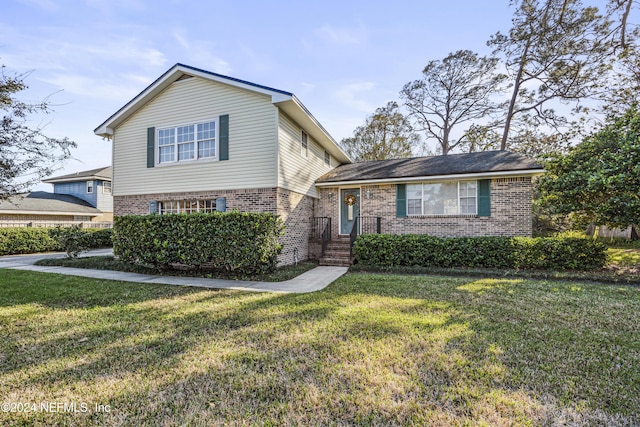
(28, 240)
(549, 253)
(243, 242)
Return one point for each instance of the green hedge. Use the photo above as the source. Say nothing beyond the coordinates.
(29, 240)
(243, 242)
(549, 253)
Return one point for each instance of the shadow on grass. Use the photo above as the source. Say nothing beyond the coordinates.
(370, 349)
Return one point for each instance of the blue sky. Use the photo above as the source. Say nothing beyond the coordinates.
(343, 59)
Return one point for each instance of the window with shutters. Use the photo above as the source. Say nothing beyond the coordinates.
(186, 206)
(443, 198)
(188, 142)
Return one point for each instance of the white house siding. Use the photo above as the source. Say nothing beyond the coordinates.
(104, 201)
(295, 172)
(252, 139)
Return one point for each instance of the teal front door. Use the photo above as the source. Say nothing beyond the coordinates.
(349, 208)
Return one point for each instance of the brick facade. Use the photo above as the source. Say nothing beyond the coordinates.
(511, 213)
(294, 209)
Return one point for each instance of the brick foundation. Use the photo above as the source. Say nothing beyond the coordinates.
(511, 213)
(293, 208)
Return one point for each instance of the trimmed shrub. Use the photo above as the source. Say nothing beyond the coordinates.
(244, 242)
(71, 239)
(29, 240)
(26, 240)
(549, 253)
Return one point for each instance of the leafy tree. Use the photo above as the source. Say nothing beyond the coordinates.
(26, 154)
(555, 50)
(387, 134)
(600, 177)
(452, 92)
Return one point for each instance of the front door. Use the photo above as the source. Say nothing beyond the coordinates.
(349, 208)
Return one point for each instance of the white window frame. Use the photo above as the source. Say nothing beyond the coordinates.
(459, 205)
(186, 206)
(327, 158)
(90, 185)
(304, 144)
(196, 150)
(105, 185)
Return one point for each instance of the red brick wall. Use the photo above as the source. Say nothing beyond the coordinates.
(511, 213)
(294, 209)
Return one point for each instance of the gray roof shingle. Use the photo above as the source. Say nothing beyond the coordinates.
(452, 164)
(100, 173)
(47, 203)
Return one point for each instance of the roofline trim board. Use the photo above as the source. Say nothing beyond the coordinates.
(459, 176)
(48, 213)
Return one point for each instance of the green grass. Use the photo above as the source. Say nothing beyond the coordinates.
(110, 263)
(368, 350)
(624, 257)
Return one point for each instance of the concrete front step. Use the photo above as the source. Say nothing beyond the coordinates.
(336, 262)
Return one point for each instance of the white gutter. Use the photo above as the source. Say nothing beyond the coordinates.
(459, 176)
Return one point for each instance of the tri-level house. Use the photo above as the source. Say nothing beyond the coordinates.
(77, 198)
(197, 141)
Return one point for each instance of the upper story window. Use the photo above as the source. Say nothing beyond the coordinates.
(106, 187)
(89, 187)
(327, 158)
(189, 142)
(304, 144)
(442, 198)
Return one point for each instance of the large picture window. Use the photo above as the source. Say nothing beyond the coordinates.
(442, 198)
(189, 142)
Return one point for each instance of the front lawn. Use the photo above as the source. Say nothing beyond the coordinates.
(369, 350)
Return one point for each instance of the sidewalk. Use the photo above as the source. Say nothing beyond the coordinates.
(313, 280)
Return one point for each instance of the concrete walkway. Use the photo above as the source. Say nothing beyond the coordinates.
(313, 280)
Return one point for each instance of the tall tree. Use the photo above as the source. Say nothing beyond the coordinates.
(26, 154)
(452, 92)
(386, 134)
(600, 177)
(555, 50)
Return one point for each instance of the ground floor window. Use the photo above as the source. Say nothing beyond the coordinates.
(442, 198)
(186, 206)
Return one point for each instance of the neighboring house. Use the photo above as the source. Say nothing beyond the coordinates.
(199, 141)
(77, 198)
(40, 208)
(92, 186)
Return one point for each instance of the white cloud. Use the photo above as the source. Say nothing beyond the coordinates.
(354, 95)
(119, 89)
(344, 36)
(200, 53)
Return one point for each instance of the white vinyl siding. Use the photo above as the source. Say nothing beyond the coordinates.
(252, 141)
(295, 172)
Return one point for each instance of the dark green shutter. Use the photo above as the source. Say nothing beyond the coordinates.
(151, 148)
(484, 197)
(224, 137)
(401, 200)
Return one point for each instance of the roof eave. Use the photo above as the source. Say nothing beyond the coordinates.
(52, 213)
(496, 174)
(106, 129)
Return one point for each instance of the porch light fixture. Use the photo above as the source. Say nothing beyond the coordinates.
(368, 194)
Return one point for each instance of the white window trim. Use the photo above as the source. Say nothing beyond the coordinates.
(181, 206)
(195, 142)
(104, 186)
(442, 214)
(90, 187)
(304, 139)
(327, 158)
